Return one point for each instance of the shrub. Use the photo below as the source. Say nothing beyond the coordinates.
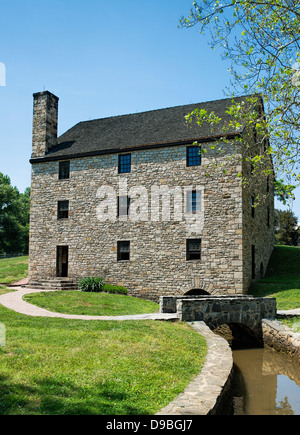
(115, 289)
(91, 284)
(96, 284)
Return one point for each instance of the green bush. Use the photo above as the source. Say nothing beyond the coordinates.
(91, 284)
(96, 284)
(115, 289)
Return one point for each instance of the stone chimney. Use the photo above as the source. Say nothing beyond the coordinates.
(45, 118)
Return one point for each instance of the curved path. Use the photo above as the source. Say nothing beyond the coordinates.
(14, 301)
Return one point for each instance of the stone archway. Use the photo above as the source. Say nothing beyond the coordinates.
(239, 336)
(218, 310)
(245, 330)
(198, 283)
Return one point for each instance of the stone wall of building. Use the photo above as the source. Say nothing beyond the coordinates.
(158, 264)
(258, 221)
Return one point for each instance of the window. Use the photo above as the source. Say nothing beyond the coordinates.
(261, 270)
(123, 251)
(193, 249)
(193, 156)
(124, 163)
(64, 170)
(252, 206)
(253, 261)
(123, 205)
(63, 210)
(193, 201)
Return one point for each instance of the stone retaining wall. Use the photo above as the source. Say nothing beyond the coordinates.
(207, 393)
(279, 337)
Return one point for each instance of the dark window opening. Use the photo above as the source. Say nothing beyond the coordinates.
(64, 170)
(124, 163)
(261, 270)
(123, 205)
(253, 261)
(123, 251)
(193, 201)
(63, 210)
(252, 206)
(193, 249)
(193, 156)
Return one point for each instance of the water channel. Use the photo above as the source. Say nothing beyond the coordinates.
(266, 382)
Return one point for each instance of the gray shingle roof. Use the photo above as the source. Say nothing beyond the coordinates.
(139, 130)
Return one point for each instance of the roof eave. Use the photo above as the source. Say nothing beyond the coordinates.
(49, 158)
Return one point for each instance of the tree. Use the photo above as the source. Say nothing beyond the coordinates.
(286, 228)
(261, 39)
(14, 217)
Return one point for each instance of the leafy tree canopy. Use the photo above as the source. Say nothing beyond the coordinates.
(286, 228)
(261, 39)
(14, 217)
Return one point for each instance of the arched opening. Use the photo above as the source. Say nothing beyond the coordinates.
(197, 292)
(238, 336)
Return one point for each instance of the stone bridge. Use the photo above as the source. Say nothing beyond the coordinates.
(243, 310)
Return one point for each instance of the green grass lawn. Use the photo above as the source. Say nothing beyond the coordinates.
(92, 304)
(13, 269)
(59, 366)
(282, 279)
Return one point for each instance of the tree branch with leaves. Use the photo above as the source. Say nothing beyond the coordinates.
(261, 39)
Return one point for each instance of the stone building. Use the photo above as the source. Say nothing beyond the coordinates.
(133, 199)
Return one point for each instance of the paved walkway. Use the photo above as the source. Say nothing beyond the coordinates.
(14, 301)
(295, 312)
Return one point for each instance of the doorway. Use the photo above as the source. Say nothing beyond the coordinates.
(62, 261)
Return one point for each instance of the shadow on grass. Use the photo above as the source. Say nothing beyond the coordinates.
(51, 396)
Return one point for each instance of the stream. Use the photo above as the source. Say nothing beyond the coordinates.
(266, 382)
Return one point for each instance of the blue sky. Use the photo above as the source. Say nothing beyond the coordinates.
(101, 58)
